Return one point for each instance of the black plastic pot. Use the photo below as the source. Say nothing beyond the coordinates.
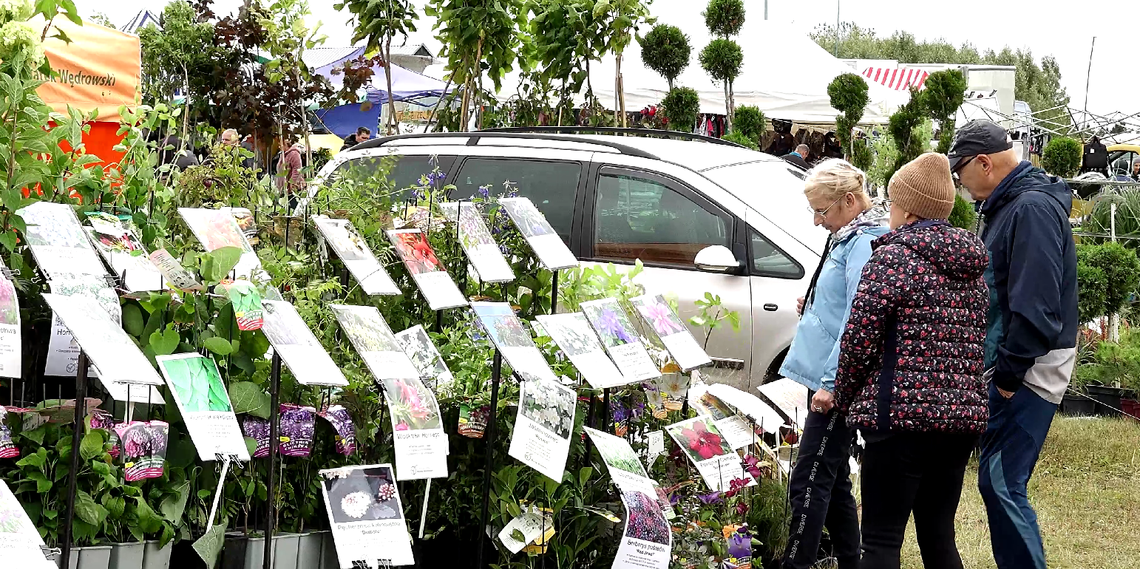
(233, 552)
(1078, 406)
(1107, 399)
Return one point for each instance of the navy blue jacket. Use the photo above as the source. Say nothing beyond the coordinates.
(1032, 277)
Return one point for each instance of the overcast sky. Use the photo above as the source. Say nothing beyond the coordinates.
(1064, 30)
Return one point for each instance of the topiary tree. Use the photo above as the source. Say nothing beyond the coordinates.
(681, 106)
(750, 122)
(741, 139)
(864, 155)
(1121, 270)
(848, 94)
(945, 92)
(1062, 157)
(903, 127)
(724, 18)
(666, 50)
(963, 215)
(723, 59)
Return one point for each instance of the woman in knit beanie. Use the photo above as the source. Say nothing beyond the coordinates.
(910, 368)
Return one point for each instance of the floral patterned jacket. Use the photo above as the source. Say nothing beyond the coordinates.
(911, 354)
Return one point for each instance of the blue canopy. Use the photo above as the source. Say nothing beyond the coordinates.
(407, 86)
(345, 119)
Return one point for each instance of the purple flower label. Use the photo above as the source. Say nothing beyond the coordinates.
(144, 448)
(341, 422)
(297, 426)
(105, 421)
(7, 447)
(258, 430)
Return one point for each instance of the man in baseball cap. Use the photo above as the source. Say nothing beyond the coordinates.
(1031, 337)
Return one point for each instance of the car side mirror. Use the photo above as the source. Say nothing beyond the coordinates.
(716, 259)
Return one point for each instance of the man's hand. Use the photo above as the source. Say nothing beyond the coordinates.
(1004, 393)
(800, 306)
(822, 401)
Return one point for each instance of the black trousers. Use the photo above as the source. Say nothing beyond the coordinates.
(920, 473)
(820, 489)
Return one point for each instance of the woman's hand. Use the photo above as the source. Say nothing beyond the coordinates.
(800, 306)
(822, 401)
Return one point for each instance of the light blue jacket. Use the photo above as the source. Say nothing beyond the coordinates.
(814, 355)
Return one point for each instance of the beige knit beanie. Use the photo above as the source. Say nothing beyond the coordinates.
(924, 187)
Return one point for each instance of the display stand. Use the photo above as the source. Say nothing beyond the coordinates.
(496, 374)
(274, 437)
(76, 437)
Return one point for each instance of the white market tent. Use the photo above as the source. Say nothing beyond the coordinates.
(785, 74)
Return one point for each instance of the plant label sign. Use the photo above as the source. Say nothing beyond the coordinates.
(513, 340)
(215, 229)
(421, 444)
(735, 428)
(551, 251)
(58, 242)
(708, 450)
(763, 415)
(647, 541)
(673, 333)
(20, 541)
(790, 398)
(63, 351)
(429, 273)
(246, 302)
(356, 255)
(298, 347)
(110, 348)
(200, 393)
(530, 526)
(366, 516)
(124, 253)
(10, 347)
(545, 421)
(478, 244)
(174, 272)
(573, 334)
(620, 338)
(623, 463)
(425, 356)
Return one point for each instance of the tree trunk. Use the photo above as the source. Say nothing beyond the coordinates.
(393, 124)
(617, 91)
(185, 110)
(466, 99)
(479, 87)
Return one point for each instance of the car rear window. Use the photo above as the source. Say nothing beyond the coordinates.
(551, 185)
(405, 173)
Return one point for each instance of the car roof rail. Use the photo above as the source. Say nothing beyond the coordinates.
(475, 136)
(634, 131)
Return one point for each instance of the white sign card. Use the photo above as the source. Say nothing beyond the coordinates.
(174, 273)
(573, 334)
(63, 351)
(357, 257)
(198, 390)
(531, 525)
(708, 450)
(551, 251)
(424, 355)
(366, 516)
(124, 252)
(429, 273)
(298, 347)
(789, 397)
(623, 463)
(20, 541)
(10, 347)
(673, 333)
(735, 428)
(421, 444)
(647, 541)
(104, 341)
(620, 339)
(215, 229)
(545, 421)
(477, 243)
(763, 415)
(58, 242)
(513, 340)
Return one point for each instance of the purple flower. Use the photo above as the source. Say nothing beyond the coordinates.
(711, 498)
(618, 411)
(484, 191)
(611, 324)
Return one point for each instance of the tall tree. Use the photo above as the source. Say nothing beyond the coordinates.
(944, 94)
(379, 23)
(666, 50)
(621, 19)
(848, 94)
(722, 58)
(179, 55)
(563, 37)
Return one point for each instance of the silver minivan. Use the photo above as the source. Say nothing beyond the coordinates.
(702, 215)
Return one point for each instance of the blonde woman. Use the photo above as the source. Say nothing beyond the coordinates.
(820, 485)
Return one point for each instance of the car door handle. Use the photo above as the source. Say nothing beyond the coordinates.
(771, 307)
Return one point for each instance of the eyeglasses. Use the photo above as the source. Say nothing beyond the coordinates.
(961, 165)
(823, 212)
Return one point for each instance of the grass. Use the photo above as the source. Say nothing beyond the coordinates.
(1086, 490)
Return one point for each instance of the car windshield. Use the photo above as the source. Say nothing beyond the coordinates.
(776, 191)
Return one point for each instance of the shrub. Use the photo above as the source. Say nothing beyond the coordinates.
(750, 122)
(848, 94)
(741, 139)
(963, 216)
(1107, 277)
(944, 94)
(666, 50)
(1062, 157)
(681, 106)
(724, 18)
(722, 59)
(1092, 287)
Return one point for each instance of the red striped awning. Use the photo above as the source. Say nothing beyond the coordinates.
(899, 79)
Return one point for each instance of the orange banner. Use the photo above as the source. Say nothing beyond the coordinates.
(98, 70)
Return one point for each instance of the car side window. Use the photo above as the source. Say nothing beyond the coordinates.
(769, 261)
(552, 186)
(641, 217)
(405, 173)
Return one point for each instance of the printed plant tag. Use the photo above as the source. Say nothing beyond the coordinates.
(298, 425)
(246, 301)
(577, 339)
(672, 332)
(427, 271)
(198, 390)
(620, 338)
(551, 251)
(356, 255)
(477, 243)
(366, 515)
(144, 448)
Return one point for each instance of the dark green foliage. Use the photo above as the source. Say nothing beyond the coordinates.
(681, 107)
(724, 18)
(666, 50)
(750, 122)
(741, 139)
(944, 94)
(1121, 270)
(722, 59)
(963, 215)
(904, 129)
(1062, 157)
(848, 94)
(864, 156)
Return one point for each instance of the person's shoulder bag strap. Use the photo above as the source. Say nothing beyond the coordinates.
(810, 294)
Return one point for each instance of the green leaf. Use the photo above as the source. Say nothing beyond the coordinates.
(225, 259)
(149, 521)
(251, 446)
(133, 320)
(584, 475)
(35, 460)
(174, 505)
(92, 445)
(210, 545)
(218, 346)
(247, 397)
(87, 510)
(164, 343)
(115, 505)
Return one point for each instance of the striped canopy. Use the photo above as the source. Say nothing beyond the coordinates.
(899, 79)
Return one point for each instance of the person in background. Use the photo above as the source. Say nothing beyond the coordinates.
(910, 368)
(171, 150)
(1032, 331)
(290, 175)
(1136, 169)
(357, 137)
(799, 156)
(231, 139)
(820, 485)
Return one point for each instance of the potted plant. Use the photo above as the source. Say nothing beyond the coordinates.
(1076, 402)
